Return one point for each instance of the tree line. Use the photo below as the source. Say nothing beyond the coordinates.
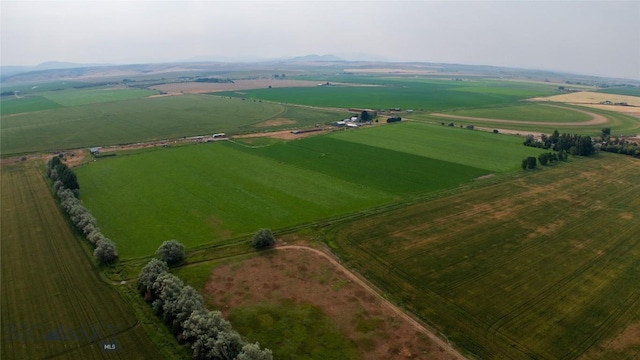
(574, 144)
(182, 308)
(618, 145)
(65, 183)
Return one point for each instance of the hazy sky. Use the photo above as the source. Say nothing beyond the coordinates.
(586, 37)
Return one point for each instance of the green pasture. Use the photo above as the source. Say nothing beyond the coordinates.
(35, 88)
(485, 150)
(617, 122)
(541, 113)
(384, 93)
(12, 105)
(75, 97)
(54, 303)
(136, 120)
(630, 91)
(540, 265)
(203, 194)
(398, 173)
(293, 331)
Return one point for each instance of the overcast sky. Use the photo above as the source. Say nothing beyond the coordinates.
(586, 37)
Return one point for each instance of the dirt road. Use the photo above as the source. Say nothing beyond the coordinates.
(417, 325)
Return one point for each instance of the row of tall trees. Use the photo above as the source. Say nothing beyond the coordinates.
(574, 144)
(105, 250)
(182, 308)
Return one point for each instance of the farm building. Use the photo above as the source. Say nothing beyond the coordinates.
(219, 136)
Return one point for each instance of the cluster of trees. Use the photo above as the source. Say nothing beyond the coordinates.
(622, 147)
(394, 119)
(105, 250)
(182, 308)
(581, 145)
(544, 159)
(617, 145)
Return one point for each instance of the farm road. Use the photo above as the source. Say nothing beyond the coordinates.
(419, 327)
(596, 119)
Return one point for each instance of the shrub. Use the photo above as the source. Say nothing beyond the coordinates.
(171, 252)
(263, 239)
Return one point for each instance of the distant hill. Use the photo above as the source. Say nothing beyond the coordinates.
(314, 57)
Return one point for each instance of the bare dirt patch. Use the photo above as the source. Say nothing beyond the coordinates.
(307, 276)
(275, 122)
(283, 134)
(627, 338)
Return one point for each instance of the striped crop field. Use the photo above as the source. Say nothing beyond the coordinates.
(54, 304)
(540, 265)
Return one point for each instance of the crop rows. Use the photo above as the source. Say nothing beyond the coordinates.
(53, 302)
(515, 269)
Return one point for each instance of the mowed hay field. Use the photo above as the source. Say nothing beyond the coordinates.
(542, 265)
(54, 304)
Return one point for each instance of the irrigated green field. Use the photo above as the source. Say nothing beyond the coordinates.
(527, 112)
(205, 194)
(12, 105)
(75, 97)
(54, 304)
(131, 121)
(384, 93)
(492, 152)
(542, 265)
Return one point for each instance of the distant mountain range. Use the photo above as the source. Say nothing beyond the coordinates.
(56, 70)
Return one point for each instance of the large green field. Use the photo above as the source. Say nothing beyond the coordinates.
(485, 150)
(75, 97)
(384, 93)
(543, 265)
(136, 120)
(204, 194)
(12, 105)
(541, 113)
(54, 303)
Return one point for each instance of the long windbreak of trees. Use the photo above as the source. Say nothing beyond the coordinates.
(67, 189)
(182, 309)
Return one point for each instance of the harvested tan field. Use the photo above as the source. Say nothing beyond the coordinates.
(628, 110)
(275, 122)
(587, 97)
(199, 88)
